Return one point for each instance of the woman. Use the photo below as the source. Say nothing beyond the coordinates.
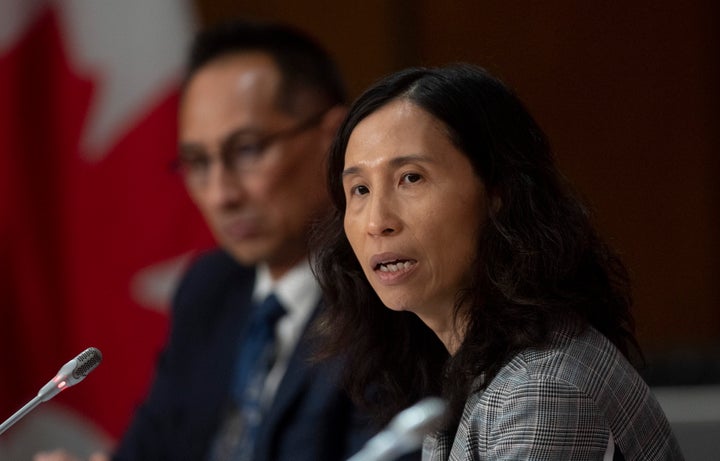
(457, 262)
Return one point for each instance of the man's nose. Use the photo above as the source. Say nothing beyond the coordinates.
(223, 186)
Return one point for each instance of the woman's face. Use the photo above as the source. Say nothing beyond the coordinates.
(414, 208)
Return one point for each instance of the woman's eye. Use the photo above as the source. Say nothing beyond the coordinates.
(411, 177)
(358, 190)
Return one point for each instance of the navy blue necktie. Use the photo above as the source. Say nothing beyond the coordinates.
(254, 360)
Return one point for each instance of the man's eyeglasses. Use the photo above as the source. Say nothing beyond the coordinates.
(244, 151)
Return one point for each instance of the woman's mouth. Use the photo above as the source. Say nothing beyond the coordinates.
(394, 270)
(395, 265)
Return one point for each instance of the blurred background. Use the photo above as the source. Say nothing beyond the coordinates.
(94, 228)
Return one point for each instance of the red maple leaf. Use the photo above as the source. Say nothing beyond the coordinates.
(74, 233)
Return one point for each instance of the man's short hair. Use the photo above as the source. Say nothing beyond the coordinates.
(305, 66)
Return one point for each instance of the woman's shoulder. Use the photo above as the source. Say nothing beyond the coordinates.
(585, 360)
(576, 376)
(584, 368)
(583, 365)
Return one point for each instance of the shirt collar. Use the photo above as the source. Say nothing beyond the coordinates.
(297, 290)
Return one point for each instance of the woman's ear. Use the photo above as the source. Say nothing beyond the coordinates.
(494, 201)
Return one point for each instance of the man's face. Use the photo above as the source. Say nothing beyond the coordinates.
(254, 171)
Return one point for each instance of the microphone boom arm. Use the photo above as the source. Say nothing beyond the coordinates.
(27, 408)
(70, 374)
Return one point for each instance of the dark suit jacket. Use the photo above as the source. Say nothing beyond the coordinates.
(310, 418)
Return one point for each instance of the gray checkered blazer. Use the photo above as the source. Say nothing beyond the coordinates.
(561, 403)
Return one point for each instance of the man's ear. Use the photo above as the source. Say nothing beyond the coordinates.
(332, 119)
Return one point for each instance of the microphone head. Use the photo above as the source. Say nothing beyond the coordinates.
(405, 432)
(87, 361)
(413, 423)
(71, 373)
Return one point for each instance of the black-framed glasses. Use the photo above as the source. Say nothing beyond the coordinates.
(243, 151)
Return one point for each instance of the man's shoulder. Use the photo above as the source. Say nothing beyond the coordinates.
(216, 260)
(212, 276)
(214, 268)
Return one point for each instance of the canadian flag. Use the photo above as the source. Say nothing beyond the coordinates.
(95, 229)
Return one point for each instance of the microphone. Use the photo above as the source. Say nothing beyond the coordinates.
(70, 374)
(404, 433)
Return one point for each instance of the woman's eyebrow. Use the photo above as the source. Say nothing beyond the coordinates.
(350, 171)
(394, 162)
(410, 158)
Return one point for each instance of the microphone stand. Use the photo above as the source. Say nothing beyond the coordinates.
(70, 374)
(27, 408)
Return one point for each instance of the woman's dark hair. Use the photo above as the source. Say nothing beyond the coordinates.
(305, 66)
(540, 264)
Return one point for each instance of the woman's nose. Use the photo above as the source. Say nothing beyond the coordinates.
(382, 217)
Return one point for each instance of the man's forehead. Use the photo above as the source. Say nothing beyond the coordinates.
(231, 85)
(248, 71)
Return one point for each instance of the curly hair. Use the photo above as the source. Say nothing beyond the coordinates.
(540, 264)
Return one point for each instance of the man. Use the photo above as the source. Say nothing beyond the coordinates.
(259, 109)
